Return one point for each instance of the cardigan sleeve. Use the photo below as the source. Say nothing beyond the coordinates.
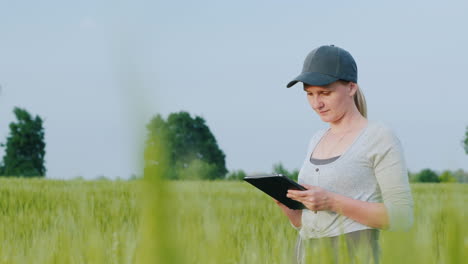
(392, 177)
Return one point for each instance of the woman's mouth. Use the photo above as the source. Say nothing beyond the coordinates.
(322, 112)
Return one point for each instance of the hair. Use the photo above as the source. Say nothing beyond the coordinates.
(359, 99)
(360, 102)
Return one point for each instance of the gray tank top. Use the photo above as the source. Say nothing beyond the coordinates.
(323, 161)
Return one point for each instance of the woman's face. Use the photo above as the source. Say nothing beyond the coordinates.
(333, 101)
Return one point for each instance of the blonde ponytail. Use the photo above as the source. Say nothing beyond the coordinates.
(360, 102)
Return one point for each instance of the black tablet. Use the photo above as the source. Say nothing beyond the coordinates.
(277, 185)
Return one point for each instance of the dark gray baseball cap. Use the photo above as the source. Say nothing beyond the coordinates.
(327, 64)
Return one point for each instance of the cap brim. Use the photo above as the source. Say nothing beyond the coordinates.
(313, 78)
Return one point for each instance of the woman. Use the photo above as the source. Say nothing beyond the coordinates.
(354, 171)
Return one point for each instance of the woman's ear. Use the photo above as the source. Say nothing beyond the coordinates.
(352, 88)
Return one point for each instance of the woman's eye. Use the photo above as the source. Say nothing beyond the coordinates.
(326, 93)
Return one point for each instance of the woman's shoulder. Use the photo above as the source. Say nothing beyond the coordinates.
(381, 132)
(379, 126)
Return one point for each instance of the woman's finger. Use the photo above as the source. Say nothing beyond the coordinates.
(298, 193)
(301, 199)
(292, 195)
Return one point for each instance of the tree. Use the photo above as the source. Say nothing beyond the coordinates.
(198, 170)
(280, 169)
(25, 147)
(427, 175)
(190, 149)
(447, 176)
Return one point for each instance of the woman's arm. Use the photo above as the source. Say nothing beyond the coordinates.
(318, 199)
(367, 213)
(392, 175)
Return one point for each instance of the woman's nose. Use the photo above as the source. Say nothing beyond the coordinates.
(317, 103)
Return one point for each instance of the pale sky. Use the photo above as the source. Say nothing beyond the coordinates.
(96, 71)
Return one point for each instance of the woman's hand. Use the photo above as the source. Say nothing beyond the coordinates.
(314, 198)
(293, 215)
(286, 209)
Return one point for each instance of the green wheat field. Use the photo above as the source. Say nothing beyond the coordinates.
(76, 221)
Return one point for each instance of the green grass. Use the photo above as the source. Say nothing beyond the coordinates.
(49, 221)
(45, 221)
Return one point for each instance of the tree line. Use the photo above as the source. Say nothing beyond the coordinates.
(190, 151)
(447, 176)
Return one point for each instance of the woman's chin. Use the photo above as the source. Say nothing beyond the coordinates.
(325, 119)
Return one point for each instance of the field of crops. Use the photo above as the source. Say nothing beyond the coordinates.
(50, 221)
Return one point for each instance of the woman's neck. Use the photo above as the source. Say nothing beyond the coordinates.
(350, 121)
